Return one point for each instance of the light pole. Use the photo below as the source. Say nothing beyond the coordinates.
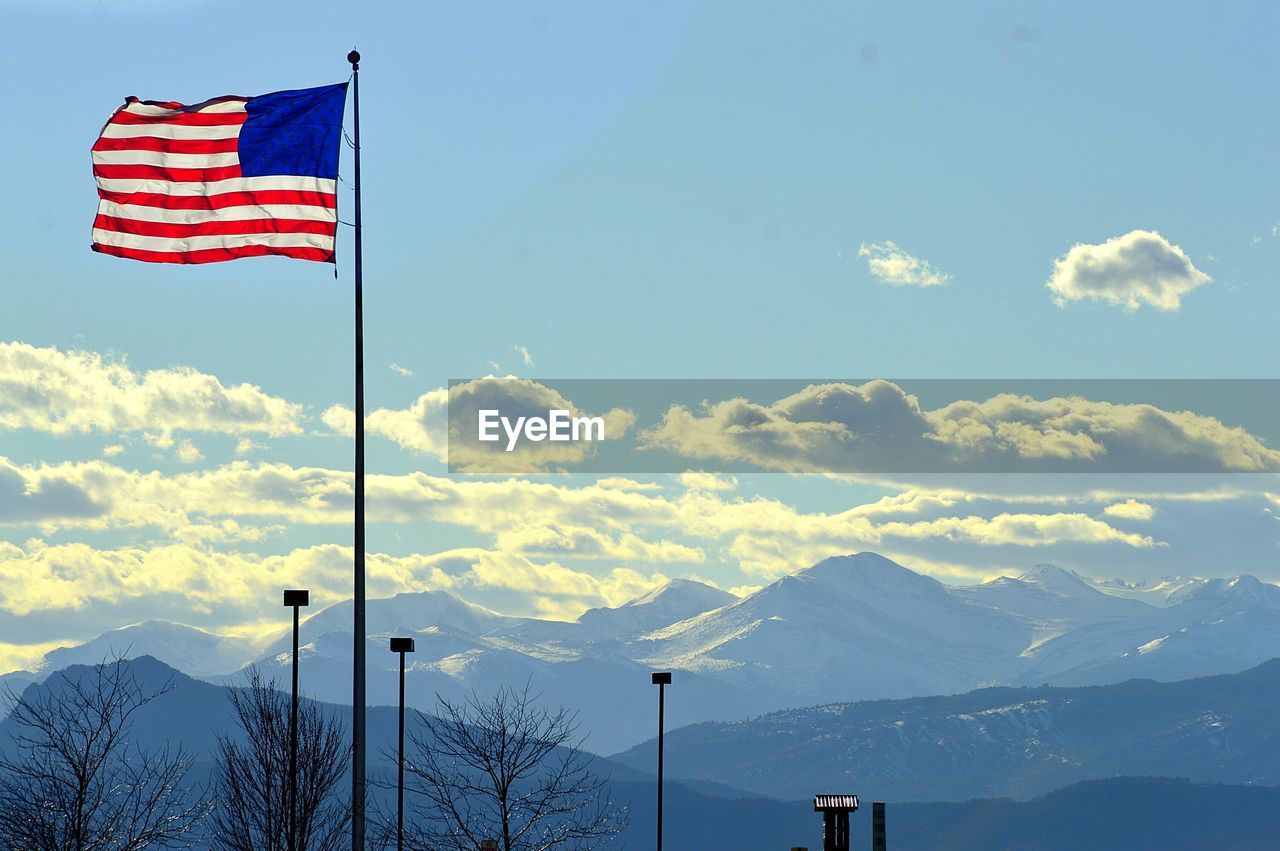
(661, 680)
(294, 599)
(401, 646)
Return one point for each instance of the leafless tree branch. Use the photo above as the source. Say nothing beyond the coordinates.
(252, 780)
(504, 768)
(74, 780)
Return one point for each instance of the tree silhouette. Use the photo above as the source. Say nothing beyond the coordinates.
(502, 768)
(252, 776)
(74, 779)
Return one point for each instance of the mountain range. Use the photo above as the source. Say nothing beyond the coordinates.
(1131, 813)
(858, 627)
(994, 742)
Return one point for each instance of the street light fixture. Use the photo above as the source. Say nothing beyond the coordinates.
(401, 646)
(661, 679)
(294, 599)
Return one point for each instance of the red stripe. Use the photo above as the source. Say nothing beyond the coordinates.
(175, 175)
(173, 104)
(169, 146)
(223, 199)
(216, 255)
(214, 228)
(190, 119)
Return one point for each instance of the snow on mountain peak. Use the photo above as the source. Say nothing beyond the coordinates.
(868, 571)
(1161, 592)
(191, 650)
(1244, 587)
(683, 591)
(677, 600)
(1059, 580)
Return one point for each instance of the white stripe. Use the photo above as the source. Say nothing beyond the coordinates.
(137, 212)
(171, 131)
(139, 108)
(165, 159)
(292, 182)
(198, 243)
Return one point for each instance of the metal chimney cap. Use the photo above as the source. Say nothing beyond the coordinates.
(848, 803)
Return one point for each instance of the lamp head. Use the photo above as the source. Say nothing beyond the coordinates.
(402, 645)
(662, 678)
(297, 597)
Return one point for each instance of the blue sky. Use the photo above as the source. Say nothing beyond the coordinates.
(649, 189)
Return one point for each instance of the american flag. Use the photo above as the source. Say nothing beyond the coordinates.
(227, 178)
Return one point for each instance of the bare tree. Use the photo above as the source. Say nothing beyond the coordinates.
(252, 777)
(502, 768)
(74, 778)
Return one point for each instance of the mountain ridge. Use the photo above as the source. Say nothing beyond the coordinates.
(850, 627)
(997, 742)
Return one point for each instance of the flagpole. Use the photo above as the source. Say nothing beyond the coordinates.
(357, 660)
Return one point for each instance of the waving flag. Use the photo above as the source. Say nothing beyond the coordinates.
(231, 177)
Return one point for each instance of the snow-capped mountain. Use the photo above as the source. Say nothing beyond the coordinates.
(1052, 597)
(193, 651)
(860, 625)
(678, 600)
(459, 647)
(850, 627)
(1162, 592)
(1210, 627)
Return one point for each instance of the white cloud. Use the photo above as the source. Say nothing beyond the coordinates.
(43, 577)
(245, 446)
(1141, 267)
(566, 541)
(39, 577)
(893, 266)
(401, 370)
(73, 392)
(525, 357)
(188, 453)
(1026, 530)
(340, 420)
(706, 481)
(420, 428)
(23, 657)
(552, 590)
(602, 523)
(443, 416)
(877, 426)
(1130, 509)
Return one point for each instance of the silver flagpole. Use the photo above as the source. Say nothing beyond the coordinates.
(357, 660)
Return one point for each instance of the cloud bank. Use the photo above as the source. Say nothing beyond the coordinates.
(77, 392)
(879, 427)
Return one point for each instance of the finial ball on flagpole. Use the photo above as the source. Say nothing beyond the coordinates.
(354, 58)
